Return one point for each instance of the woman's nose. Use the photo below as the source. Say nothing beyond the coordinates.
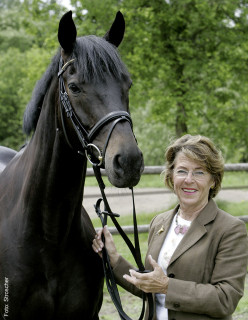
(189, 178)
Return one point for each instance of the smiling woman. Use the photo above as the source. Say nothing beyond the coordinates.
(200, 150)
(201, 251)
(195, 169)
(191, 185)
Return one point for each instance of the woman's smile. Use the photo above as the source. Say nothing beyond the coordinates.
(189, 190)
(191, 183)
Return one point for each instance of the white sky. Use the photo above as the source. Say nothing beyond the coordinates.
(66, 3)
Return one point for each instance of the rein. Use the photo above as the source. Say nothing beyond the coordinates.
(135, 250)
(85, 137)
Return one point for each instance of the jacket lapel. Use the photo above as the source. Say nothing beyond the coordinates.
(197, 230)
(160, 232)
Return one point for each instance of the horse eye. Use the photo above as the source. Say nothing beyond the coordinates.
(73, 88)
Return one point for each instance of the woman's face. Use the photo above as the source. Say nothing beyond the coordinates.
(191, 183)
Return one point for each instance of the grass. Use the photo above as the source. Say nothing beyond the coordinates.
(241, 312)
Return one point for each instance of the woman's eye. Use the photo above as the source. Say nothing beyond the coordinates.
(73, 88)
(199, 173)
(181, 172)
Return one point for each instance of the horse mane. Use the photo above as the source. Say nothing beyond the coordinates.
(33, 109)
(95, 57)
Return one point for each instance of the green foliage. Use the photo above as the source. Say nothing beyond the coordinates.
(10, 62)
(187, 59)
(28, 39)
(195, 62)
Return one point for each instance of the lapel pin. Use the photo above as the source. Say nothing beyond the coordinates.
(161, 230)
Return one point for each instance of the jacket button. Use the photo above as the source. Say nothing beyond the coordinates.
(176, 305)
(171, 275)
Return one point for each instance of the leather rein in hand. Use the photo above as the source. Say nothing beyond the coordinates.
(85, 139)
(135, 250)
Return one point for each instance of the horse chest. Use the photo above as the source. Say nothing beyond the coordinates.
(66, 288)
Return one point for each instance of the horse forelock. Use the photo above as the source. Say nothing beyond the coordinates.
(97, 58)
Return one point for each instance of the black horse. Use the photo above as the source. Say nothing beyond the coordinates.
(47, 267)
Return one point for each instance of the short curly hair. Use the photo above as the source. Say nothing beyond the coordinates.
(200, 149)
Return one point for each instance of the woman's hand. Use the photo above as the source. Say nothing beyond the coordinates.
(155, 281)
(109, 245)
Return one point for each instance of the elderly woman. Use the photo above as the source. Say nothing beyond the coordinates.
(201, 251)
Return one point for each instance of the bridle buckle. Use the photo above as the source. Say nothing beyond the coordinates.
(89, 155)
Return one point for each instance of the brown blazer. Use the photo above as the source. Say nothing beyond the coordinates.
(208, 268)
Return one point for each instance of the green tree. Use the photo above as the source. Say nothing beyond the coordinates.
(10, 132)
(28, 40)
(197, 69)
(188, 61)
(13, 43)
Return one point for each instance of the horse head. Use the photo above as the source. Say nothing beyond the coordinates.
(97, 83)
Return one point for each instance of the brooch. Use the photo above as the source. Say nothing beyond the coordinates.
(161, 230)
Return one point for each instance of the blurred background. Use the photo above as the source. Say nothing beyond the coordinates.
(188, 61)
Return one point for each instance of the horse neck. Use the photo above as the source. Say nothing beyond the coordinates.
(56, 177)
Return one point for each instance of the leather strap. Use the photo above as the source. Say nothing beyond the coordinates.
(85, 137)
(135, 250)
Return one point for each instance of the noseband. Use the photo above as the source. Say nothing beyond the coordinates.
(85, 137)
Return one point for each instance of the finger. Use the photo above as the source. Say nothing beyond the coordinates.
(130, 279)
(107, 233)
(133, 280)
(99, 234)
(109, 241)
(97, 243)
(96, 247)
(134, 274)
(138, 275)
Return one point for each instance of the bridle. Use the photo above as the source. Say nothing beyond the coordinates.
(85, 137)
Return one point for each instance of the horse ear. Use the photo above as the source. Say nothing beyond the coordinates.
(67, 32)
(116, 32)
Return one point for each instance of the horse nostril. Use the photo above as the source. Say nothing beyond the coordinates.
(124, 168)
(118, 165)
(128, 167)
